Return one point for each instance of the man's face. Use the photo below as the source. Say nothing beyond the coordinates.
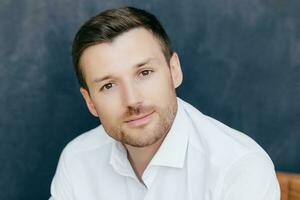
(132, 87)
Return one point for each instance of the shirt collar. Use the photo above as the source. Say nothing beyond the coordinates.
(119, 161)
(171, 153)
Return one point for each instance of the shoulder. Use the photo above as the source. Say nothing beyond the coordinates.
(233, 146)
(251, 177)
(223, 146)
(80, 159)
(92, 140)
(235, 164)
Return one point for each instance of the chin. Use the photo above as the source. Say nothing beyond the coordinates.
(138, 140)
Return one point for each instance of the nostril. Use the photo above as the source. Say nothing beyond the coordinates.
(134, 110)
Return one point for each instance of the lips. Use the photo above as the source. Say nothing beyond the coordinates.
(139, 120)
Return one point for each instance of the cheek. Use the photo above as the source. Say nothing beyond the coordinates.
(107, 109)
(108, 116)
(159, 88)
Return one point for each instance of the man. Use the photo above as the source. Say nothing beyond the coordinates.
(151, 144)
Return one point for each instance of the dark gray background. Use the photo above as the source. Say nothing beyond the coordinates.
(241, 64)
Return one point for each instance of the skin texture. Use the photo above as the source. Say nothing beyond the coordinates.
(132, 91)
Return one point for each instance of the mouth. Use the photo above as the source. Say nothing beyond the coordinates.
(139, 120)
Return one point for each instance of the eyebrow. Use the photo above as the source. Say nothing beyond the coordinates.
(138, 65)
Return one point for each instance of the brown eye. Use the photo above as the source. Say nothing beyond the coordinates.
(145, 72)
(107, 86)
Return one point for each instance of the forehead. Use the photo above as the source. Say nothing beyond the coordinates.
(124, 51)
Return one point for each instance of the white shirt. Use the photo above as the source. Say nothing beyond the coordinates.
(200, 159)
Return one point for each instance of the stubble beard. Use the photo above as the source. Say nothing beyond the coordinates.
(150, 133)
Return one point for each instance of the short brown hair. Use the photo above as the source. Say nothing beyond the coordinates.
(109, 24)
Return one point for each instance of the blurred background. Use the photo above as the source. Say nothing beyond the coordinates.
(240, 59)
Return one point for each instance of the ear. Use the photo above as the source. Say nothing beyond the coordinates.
(176, 70)
(88, 101)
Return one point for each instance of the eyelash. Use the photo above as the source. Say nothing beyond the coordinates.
(104, 86)
(147, 70)
(111, 84)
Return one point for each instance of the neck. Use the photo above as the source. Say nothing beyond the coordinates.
(140, 157)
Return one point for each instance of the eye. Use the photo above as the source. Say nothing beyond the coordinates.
(146, 72)
(106, 86)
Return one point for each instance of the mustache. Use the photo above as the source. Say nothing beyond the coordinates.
(137, 110)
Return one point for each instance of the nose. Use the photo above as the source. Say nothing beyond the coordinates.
(132, 97)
